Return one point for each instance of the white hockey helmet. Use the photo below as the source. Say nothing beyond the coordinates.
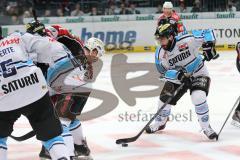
(168, 5)
(95, 43)
(51, 31)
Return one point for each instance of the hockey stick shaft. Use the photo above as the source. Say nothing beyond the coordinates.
(24, 137)
(237, 101)
(132, 139)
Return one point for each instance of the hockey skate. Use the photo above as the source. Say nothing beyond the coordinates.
(44, 155)
(210, 133)
(83, 151)
(158, 125)
(236, 119)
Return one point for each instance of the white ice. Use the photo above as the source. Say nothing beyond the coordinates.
(179, 141)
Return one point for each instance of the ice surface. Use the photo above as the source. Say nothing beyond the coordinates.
(181, 140)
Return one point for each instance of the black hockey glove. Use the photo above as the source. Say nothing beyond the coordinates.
(209, 51)
(184, 78)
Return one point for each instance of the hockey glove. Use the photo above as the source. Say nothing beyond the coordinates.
(209, 51)
(184, 77)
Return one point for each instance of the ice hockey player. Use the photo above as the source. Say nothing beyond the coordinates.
(170, 16)
(176, 59)
(87, 54)
(76, 102)
(69, 105)
(24, 90)
(236, 115)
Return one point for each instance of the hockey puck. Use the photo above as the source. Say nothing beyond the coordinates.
(124, 145)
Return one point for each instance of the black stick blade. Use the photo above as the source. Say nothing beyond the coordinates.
(126, 140)
(120, 141)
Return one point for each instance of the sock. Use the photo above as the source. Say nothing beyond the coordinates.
(76, 130)
(199, 99)
(68, 140)
(57, 148)
(3, 148)
(162, 117)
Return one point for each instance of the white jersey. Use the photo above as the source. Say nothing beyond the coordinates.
(184, 54)
(23, 83)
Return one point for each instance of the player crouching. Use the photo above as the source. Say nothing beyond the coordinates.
(68, 101)
(179, 61)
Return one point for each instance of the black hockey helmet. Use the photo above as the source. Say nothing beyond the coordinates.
(36, 27)
(170, 21)
(167, 31)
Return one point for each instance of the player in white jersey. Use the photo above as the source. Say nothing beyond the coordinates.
(24, 91)
(179, 61)
(236, 115)
(69, 101)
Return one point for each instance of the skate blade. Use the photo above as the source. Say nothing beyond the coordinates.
(235, 123)
(84, 158)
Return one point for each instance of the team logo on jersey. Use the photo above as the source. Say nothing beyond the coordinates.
(9, 41)
(183, 47)
(179, 57)
(20, 83)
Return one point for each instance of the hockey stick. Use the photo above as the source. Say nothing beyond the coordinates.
(24, 137)
(132, 139)
(228, 117)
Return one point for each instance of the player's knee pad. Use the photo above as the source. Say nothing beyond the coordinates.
(167, 91)
(3, 143)
(69, 106)
(74, 124)
(54, 141)
(201, 83)
(79, 103)
(199, 99)
(63, 105)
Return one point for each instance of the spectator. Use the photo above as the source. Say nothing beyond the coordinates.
(15, 20)
(26, 14)
(133, 9)
(47, 13)
(60, 12)
(126, 2)
(111, 10)
(77, 11)
(231, 7)
(111, 2)
(196, 6)
(12, 10)
(159, 9)
(124, 10)
(182, 7)
(94, 12)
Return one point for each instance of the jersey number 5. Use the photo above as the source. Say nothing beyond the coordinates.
(7, 71)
